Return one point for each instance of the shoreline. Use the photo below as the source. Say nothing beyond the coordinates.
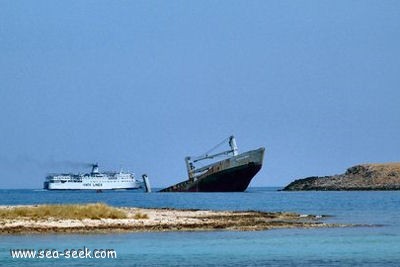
(364, 177)
(163, 220)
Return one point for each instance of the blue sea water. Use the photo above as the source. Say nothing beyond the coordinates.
(376, 243)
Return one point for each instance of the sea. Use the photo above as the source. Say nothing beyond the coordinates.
(375, 241)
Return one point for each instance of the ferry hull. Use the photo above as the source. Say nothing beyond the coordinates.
(81, 186)
(230, 175)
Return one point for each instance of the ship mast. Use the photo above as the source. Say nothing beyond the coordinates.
(191, 169)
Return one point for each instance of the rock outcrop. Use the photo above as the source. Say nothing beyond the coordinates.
(384, 176)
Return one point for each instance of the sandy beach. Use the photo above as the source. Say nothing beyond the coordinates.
(147, 220)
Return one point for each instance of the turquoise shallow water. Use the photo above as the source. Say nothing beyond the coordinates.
(373, 245)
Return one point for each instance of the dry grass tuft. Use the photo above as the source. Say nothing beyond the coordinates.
(87, 211)
(140, 215)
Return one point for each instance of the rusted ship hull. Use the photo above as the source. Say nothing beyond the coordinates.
(230, 175)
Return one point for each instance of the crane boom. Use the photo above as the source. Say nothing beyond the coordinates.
(189, 161)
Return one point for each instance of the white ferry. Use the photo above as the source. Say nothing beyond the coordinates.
(92, 181)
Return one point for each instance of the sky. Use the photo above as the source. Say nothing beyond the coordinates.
(139, 85)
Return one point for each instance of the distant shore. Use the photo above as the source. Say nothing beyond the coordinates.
(159, 220)
(378, 176)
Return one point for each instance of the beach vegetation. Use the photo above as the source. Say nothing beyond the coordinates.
(139, 215)
(68, 211)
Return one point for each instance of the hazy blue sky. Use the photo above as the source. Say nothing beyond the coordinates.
(142, 84)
